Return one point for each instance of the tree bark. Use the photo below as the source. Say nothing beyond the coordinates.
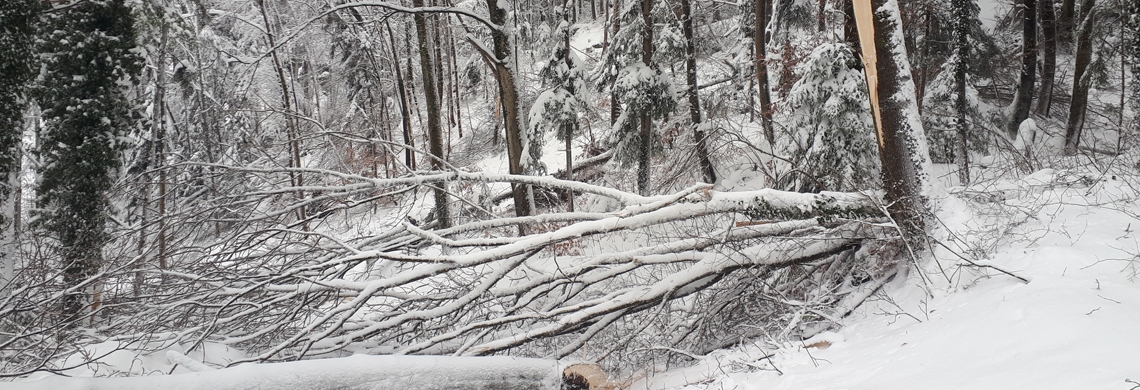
(405, 113)
(429, 69)
(508, 91)
(647, 48)
(902, 143)
(1049, 56)
(962, 23)
(1023, 99)
(760, 47)
(160, 146)
(294, 141)
(686, 16)
(1079, 103)
(1065, 23)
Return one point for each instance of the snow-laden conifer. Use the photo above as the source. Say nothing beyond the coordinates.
(830, 139)
(17, 26)
(646, 94)
(90, 61)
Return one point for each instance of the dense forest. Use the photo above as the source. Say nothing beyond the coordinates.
(622, 182)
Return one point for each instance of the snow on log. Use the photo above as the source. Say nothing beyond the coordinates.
(358, 372)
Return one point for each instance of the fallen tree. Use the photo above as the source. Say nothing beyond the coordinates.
(351, 373)
(634, 274)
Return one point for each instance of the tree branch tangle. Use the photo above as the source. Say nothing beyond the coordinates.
(580, 279)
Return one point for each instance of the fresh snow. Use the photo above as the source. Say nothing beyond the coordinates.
(1073, 326)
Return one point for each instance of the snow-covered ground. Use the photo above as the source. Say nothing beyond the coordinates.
(1073, 326)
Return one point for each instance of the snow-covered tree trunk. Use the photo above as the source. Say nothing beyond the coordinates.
(902, 143)
(358, 372)
(509, 96)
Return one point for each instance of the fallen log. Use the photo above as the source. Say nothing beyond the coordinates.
(358, 372)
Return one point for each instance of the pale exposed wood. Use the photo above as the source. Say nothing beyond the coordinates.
(864, 19)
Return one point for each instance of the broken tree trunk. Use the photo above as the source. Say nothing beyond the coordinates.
(902, 142)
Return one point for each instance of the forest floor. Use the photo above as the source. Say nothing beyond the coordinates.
(1072, 234)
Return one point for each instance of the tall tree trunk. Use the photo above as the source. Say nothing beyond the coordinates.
(760, 47)
(405, 113)
(509, 96)
(160, 147)
(455, 84)
(822, 17)
(902, 143)
(686, 16)
(569, 129)
(963, 20)
(290, 117)
(1132, 48)
(615, 103)
(1049, 56)
(1023, 99)
(1077, 107)
(1065, 23)
(647, 48)
(429, 69)
(850, 28)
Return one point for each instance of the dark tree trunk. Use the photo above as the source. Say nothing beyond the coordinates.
(509, 96)
(1081, 81)
(290, 117)
(405, 112)
(895, 109)
(1023, 99)
(615, 103)
(850, 29)
(686, 16)
(429, 69)
(760, 47)
(1065, 23)
(647, 48)
(1049, 56)
(962, 23)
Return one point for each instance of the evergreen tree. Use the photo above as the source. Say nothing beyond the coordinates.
(16, 72)
(830, 141)
(952, 102)
(646, 94)
(557, 107)
(89, 63)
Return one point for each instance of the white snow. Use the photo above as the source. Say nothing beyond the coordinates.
(1073, 326)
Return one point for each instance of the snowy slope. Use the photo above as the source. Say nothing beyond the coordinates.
(1073, 326)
